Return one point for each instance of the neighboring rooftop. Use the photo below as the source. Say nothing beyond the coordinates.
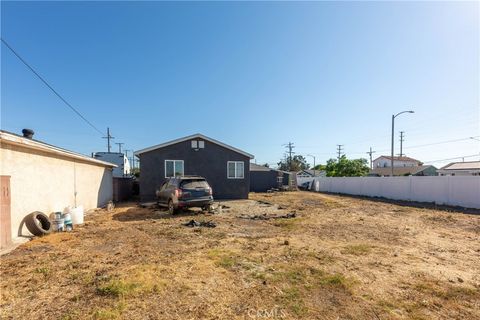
(400, 171)
(15, 139)
(468, 165)
(398, 159)
(193, 136)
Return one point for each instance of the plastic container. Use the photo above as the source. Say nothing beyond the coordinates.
(59, 225)
(77, 215)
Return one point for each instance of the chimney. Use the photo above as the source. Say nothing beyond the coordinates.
(28, 133)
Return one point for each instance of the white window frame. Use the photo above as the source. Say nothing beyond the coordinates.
(165, 167)
(236, 163)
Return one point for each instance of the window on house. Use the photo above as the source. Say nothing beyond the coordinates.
(235, 169)
(173, 168)
(194, 144)
(201, 144)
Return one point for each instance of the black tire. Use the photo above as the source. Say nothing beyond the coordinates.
(171, 207)
(38, 223)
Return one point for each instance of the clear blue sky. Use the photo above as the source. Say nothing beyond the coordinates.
(253, 75)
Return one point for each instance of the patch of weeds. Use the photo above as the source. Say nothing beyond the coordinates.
(291, 297)
(287, 224)
(43, 270)
(110, 313)
(335, 280)
(357, 249)
(448, 293)
(224, 258)
(117, 288)
(322, 257)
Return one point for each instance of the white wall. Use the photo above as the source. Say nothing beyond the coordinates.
(386, 163)
(455, 191)
(301, 180)
(47, 183)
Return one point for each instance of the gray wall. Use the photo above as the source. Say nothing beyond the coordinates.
(261, 181)
(209, 162)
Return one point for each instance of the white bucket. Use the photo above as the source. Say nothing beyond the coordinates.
(77, 215)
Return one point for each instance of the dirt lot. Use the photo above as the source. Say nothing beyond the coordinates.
(339, 258)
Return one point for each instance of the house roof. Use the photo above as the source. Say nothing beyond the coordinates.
(256, 167)
(193, 136)
(468, 165)
(398, 158)
(311, 172)
(15, 139)
(399, 171)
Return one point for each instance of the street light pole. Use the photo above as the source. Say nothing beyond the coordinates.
(313, 164)
(393, 134)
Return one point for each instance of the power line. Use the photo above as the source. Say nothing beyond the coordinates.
(440, 160)
(50, 87)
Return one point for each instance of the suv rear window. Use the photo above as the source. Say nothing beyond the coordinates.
(194, 184)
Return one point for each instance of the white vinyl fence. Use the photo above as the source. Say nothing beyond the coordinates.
(463, 191)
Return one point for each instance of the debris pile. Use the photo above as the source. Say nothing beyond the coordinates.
(267, 217)
(206, 224)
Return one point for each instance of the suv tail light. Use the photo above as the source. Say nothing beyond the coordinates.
(178, 193)
(209, 190)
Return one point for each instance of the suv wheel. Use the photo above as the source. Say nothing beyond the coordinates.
(171, 207)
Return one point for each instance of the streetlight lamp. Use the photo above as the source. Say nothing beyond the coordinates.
(309, 155)
(393, 134)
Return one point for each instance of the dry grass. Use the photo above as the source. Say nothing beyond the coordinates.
(339, 258)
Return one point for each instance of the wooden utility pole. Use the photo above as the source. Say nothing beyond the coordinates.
(401, 143)
(370, 154)
(108, 137)
(290, 147)
(339, 150)
(119, 146)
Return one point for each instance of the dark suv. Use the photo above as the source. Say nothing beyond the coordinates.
(184, 192)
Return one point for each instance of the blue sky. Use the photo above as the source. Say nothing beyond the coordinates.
(253, 75)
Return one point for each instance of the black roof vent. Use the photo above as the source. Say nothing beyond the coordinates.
(28, 133)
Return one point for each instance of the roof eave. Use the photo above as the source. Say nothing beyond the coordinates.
(197, 135)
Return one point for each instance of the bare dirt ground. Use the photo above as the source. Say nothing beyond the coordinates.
(339, 258)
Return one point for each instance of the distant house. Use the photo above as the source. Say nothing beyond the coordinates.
(36, 176)
(469, 168)
(263, 178)
(404, 171)
(385, 162)
(310, 173)
(226, 168)
(123, 165)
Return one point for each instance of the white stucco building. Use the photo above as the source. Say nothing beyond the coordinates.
(385, 162)
(36, 176)
(123, 165)
(468, 168)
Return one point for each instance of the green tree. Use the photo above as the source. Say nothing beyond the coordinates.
(320, 167)
(344, 167)
(298, 163)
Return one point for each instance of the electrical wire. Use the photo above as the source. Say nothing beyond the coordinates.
(50, 87)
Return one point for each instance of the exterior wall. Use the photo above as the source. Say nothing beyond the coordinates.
(455, 191)
(122, 188)
(261, 181)
(47, 183)
(117, 158)
(386, 163)
(209, 162)
(458, 172)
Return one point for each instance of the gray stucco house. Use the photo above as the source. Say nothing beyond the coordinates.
(263, 178)
(226, 168)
